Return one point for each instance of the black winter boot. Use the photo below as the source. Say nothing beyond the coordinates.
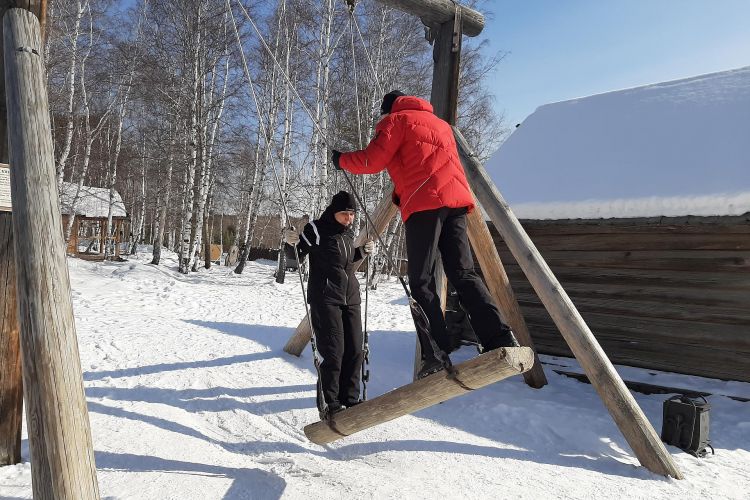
(428, 367)
(505, 339)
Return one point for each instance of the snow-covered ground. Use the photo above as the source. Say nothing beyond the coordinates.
(191, 397)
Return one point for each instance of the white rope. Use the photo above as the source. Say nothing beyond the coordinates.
(322, 405)
(369, 59)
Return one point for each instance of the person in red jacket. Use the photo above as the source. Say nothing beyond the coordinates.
(430, 188)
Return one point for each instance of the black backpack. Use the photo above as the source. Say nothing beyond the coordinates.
(685, 424)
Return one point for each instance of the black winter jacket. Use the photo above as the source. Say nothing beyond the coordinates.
(332, 261)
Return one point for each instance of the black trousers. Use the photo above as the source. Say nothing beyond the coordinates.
(444, 230)
(338, 331)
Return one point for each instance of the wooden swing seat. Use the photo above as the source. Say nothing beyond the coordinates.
(476, 373)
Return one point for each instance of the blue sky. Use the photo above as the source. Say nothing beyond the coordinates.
(562, 49)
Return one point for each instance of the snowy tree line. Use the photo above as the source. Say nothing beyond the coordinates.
(153, 100)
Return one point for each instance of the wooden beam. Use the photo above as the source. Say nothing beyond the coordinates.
(478, 372)
(384, 212)
(447, 59)
(499, 287)
(444, 100)
(11, 386)
(622, 407)
(433, 13)
(59, 432)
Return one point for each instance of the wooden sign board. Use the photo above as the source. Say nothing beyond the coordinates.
(5, 203)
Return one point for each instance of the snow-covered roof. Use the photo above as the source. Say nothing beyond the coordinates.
(92, 201)
(673, 149)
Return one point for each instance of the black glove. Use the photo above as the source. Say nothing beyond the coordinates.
(335, 155)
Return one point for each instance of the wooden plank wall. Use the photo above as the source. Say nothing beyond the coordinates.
(664, 293)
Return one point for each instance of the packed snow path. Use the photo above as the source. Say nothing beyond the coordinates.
(191, 397)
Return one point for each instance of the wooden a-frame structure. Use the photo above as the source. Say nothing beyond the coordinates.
(447, 21)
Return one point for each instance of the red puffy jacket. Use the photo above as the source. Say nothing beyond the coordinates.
(420, 153)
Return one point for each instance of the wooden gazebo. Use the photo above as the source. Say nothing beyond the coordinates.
(88, 238)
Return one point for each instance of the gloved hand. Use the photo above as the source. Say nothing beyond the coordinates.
(290, 236)
(335, 155)
(369, 247)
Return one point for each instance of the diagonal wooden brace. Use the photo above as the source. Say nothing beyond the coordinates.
(499, 287)
(623, 408)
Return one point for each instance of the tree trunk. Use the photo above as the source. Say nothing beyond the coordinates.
(163, 204)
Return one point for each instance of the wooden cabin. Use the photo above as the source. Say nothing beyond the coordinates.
(639, 200)
(91, 207)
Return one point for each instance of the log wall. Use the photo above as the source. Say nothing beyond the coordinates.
(664, 293)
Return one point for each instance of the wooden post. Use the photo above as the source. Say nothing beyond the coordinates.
(59, 433)
(385, 211)
(478, 372)
(11, 386)
(444, 100)
(499, 287)
(624, 410)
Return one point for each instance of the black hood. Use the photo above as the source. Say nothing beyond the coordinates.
(327, 218)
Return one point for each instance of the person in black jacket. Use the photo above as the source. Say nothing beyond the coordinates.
(333, 295)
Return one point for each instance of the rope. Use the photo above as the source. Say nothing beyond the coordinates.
(417, 311)
(369, 59)
(321, 403)
(365, 372)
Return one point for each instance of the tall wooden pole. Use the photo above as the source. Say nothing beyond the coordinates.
(445, 81)
(616, 397)
(59, 433)
(11, 386)
(444, 100)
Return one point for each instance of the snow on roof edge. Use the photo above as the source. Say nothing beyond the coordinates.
(91, 202)
(641, 86)
(724, 204)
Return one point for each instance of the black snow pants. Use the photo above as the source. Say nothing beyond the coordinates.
(338, 331)
(444, 229)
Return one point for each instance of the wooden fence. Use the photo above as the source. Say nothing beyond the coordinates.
(664, 293)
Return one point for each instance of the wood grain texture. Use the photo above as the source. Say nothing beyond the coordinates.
(500, 288)
(11, 387)
(436, 12)
(659, 317)
(383, 215)
(483, 370)
(59, 433)
(626, 413)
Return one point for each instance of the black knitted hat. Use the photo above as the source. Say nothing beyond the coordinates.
(343, 201)
(388, 101)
